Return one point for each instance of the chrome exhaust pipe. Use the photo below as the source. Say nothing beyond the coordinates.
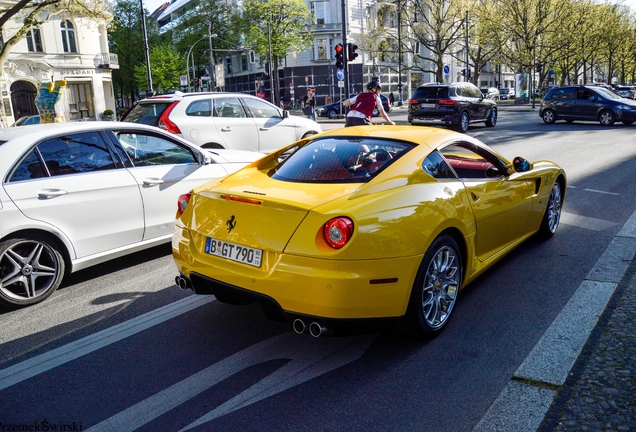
(317, 330)
(299, 326)
(182, 282)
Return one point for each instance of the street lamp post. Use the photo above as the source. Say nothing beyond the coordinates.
(188, 60)
(212, 82)
(149, 92)
(213, 35)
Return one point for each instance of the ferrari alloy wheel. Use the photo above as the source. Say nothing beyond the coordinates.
(30, 271)
(464, 121)
(491, 121)
(552, 214)
(548, 116)
(436, 288)
(606, 118)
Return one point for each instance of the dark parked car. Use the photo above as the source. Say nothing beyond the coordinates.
(333, 110)
(456, 105)
(592, 103)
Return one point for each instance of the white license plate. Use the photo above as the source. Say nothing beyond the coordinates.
(234, 252)
(427, 105)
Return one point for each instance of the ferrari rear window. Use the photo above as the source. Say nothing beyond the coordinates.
(339, 160)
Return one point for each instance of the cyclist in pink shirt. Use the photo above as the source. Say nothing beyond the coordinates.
(362, 106)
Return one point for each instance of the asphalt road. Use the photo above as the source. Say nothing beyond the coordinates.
(119, 347)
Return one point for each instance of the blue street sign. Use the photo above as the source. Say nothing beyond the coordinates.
(340, 74)
(446, 69)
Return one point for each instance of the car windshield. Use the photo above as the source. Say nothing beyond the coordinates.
(339, 160)
(607, 94)
(431, 92)
(147, 113)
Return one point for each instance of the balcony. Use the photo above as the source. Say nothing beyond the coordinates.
(106, 61)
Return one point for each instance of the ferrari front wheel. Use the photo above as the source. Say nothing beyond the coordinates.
(436, 288)
(552, 215)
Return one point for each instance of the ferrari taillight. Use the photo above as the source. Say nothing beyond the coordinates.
(164, 121)
(338, 232)
(182, 203)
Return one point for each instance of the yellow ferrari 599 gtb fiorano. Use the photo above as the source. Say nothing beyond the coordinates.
(363, 223)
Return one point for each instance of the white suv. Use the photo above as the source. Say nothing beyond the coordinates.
(223, 120)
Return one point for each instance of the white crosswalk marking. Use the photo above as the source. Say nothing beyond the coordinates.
(44, 362)
(310, 358)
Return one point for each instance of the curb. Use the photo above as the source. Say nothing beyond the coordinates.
(524, 402)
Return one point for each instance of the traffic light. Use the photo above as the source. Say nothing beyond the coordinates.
(339, 56)
(352, 52)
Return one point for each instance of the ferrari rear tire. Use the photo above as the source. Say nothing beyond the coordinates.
(31, 269)
(436, 289)
(552, 215)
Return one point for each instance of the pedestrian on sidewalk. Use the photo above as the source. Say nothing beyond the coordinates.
(310, 105)
(391, 98)
(327, 100)
(363, 106)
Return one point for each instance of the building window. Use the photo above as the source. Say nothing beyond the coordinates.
(68, 36)
(34, 41)
(228, 64)
(321, 13)
(243, 62)
(323, 49)
(80, 101)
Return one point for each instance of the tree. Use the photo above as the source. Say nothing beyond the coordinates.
(439, 27)
(204, 18)
(167, 67)
(125, 39)
(285, 22)
(30, 14)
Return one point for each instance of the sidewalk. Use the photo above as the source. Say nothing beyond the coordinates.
(581, 375)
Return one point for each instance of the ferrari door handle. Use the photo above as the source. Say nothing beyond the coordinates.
(51, 193)
(152, 181)
(226, 129)
(264, 129)
(474, 196)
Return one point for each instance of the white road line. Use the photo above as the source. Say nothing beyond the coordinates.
(310, 358)
(49, 360)
(601, 192)
(586, 222)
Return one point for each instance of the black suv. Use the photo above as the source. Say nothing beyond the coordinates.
(456, 105)
(593, 103)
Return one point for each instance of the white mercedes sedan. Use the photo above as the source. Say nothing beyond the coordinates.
(75, 195)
